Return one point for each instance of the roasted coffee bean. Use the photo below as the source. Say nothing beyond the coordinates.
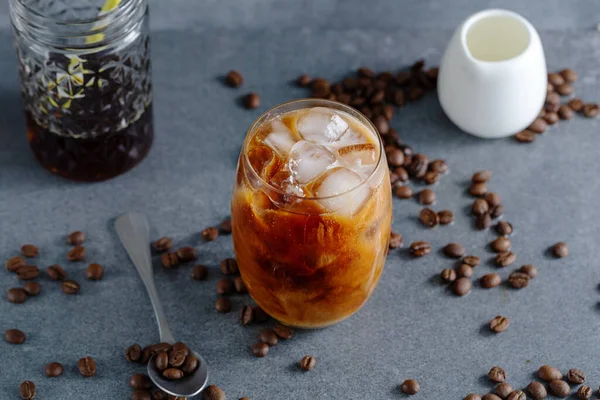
(225, 227)
(213, 392)
(472, 396)
(187, 253)
(199, 272)
(260, 349)
(480, 207)
(94, 272)
(225, 286)
(559, 388)
(431, 177)
(497, 211)
(548, 373)
(538, 126)
(503, 390)
(307, 363)
(537, 390)
(418, 166)
(483, 221)
(499, 324)
(576, 376)
(403, 192)
(439, 166)
(553, 99)
(133, 353)
(428, 217)
(518, 280)
(395, 158)
(591, 110)
(177, 354)
(517, 395)
(396, 240)
(402, 174)
(569, 75)
(504, 228)
(70, 287)
(525, 136)
(551, 118)
(461, 286)
(260, 315)
(493, 199)
(172, 374)
(27, 390)
(27, 272)
(209, 234)
(490, 280)
(585, 392)
(377, 97)
(560, 250)
(565, 112)
(445, 217)
(382, 124)
(53, 370)
(529, 270)
(427, 196)
(13, 263)
(14, 336)
(555, 79)
(402, 78)
(357, 102)
(141, 395)
(415, 94)
(481, 176)
(252, 101)
(140, 381)
(448, 275)
(365, 72)
(190, 365)
(500, 244)
(77, 253)
(304, 80)
(268, 336)
(32, 288)
(29, 250)
(76, 238)
(87, 366)
(491, 396)
(161, 360)
(506, 258)
(146, 354)
(158, 347)
(229, 266)
(163, 244)
(246, 315)
(549, 88)
(420, 249)
(283, 332)
(223, 305)
(564, 90)
(16, 295)
(399, 98)
(478, 189)
(497, 374)
(576, 104)
(454, 250)
(56, 272)
(410, 386)
(464, 270)
(240, 286)
(234, 79)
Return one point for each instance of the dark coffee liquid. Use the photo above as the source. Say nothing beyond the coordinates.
(92, 159)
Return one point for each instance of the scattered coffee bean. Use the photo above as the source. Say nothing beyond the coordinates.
(478, 189)
(500, 244)
(576, 104)
(552, 99)
(585, 392)
(555, 79)
(94, 272)
(395, 157)
(504, 228)
(410, 386)
(481, 176)
(551, 118)
(454, 250)
(503, 390)
(471, 261)
(307, 363)
(439, 166)
(559, 388)
(14, 336)
(304, 80)
(213, 392)
(240, 286)
(13, 263)
(420, 249)
(396, 240)
(234, 79)
(172, 374)
(401, 174)
(225, 286)
(591, 110)
(461, 286)
(529, 270)
(499, 324)
(77, 253)
(525, 136)
(199, 272)
(565, 112)
(445, 217)
(448, 275)
(53, 370)
(223, 305)
(76, 238)
(268, 336)
(538, 126)
(428, 217)
(163, 244)
(32, 288)
(260, 315)
(252, 101)
(209, 234)
(491, 280)
(190, 365)
(140, 381)
(569, 75)
(431, 177)
(229, 266)
(16, 295)
(480, 207)
(283, 332)
(497, 211)
(518, 280)
(483, 221)
(576, 376)
(225, 227)
(382, 125)
(87, 366)
(169, 260)
(70, 287)
(464, 270)
(427, 196)
(491, 396)
(27, 272)
(246, 315)
(505, 259)
(260, 349)
(56, 272)
(142, 395)
(27, 390)
(493, 199)
(29, 250)
(187, 253)
(564, 90)
(403, 192)
(133, 353)
(517, 395)
(537, 390)
(418, 165)
(560, 250)
(548, 373)
(472, 396)
(497, 374)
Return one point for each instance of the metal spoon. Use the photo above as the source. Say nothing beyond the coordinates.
(133, 231)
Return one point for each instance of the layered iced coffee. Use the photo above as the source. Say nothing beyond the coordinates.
(311, 212)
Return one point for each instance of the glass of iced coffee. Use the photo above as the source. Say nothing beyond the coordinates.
(311, 212)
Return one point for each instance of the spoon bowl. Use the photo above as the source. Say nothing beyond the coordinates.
(188, 386)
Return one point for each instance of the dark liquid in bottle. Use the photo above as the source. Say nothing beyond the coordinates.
(92, 159)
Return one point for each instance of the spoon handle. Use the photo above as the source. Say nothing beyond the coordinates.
(133, 231)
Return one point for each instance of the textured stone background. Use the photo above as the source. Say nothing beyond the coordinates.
(411, 327)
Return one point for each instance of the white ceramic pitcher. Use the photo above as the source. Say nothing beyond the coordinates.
(492, 78)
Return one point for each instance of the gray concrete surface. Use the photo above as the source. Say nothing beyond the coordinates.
(411, 327)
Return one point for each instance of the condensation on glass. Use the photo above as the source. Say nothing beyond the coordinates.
(86, 84)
